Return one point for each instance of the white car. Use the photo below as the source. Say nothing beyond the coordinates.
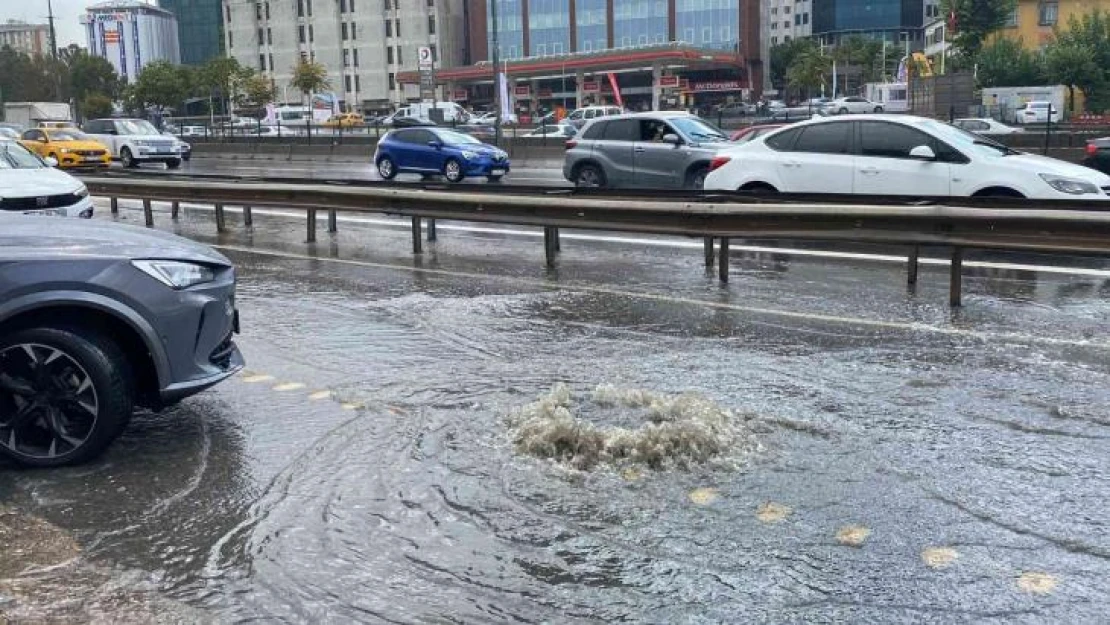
(852, 104)
(32, 186)
(135, 141)
(896, 155)
(276, 131)
(194, 131)
(556, 131)
(1036, 112)
(985, 126)
(490, 118)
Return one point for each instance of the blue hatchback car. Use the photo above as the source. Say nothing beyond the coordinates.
(427, 151)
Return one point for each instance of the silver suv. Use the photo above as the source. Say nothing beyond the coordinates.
(97, 318)
(668, 150)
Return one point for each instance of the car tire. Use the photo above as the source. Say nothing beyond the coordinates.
(386, 168)
(173, 163)
(758, 188)
(452, 171)
(842, 111)
(86, 383)
(589, 177)
(878, 109)
(186, 157)
(695, 179)
(127, 158)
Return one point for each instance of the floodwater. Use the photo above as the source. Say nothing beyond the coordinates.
(818, 445)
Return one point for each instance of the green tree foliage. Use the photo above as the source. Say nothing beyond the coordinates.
(221, 78)
(861, 52)
(258, 90)
(96, 105)
(1090, 35)
(310, 77)
(810, 70)
(161, 85)
(1006, 63)
(975, 19)
(783, 56)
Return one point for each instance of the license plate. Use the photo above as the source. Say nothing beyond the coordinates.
(48, 212)
(497, 172)
(92, 159)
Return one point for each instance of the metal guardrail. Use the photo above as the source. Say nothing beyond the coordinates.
(1069, 229)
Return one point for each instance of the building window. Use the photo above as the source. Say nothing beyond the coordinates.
(227, 10)
(300, 8)
(435, 52)
(1012, 19)
(354, 31)
(344, 29)
(805, 18)
(271, 62)
(351, 7)
(431, 24)
(541, 50)
(387, 7)
(230, 44)
(397, 28)
(786, 38)
(774, 40)
(389, 55)
(300, 33)
(262, 62)
(388, 28)
(358, 87)
(392, 81)
(342, 6)
(786, 24)
(774, 10)
(346, 58)
(774, 25)
(431, 3)
(347, 81)
(270, 36)
(400, 59)
(311, 37)
(797, 19)
(309, 8)
(1048, 12)
(267, 10)
(356, 57)
(786, 10)
(258, 11)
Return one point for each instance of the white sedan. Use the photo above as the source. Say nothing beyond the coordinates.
(852, 104)
(985, 126)
(32, 186)
(896, 155)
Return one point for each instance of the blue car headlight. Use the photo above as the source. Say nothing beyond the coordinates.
(470, 156)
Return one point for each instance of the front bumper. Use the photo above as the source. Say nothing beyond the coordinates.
(76, 161)
(487, 167)
(83, 208)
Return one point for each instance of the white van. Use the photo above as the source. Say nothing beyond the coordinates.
(423, 110)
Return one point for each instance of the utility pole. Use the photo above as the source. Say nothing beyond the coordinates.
(497, 95)
(53, 34)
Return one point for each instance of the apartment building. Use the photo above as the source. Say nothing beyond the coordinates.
(33, 39)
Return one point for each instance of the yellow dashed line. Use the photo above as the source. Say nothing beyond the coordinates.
(1037, 583)
(350, 406)
(939, 557)
(852, 535)
(252, 379)
(771, 512)
(320, 395)
(703, 496)
(288, 386)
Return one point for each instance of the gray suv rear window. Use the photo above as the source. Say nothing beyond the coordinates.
(622, 130)
(595, 130)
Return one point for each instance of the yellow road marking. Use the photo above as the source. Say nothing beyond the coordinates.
(703, 496)
(288, 386)
(939, 557)
(1037, 583)
(252, 379)
(772, 512)
(852, 535)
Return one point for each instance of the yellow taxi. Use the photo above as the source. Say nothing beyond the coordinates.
(345, 120)
(70, 147)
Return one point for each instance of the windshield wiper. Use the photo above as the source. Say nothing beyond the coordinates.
(998, 146)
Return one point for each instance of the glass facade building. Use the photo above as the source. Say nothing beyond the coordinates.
(510, 26)
(200, 28)
(639, 23)
(591, 24)
(877, 18)
(548, 27)
(708, 23)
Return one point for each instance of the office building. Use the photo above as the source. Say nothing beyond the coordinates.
(131, 35)
(200, 29)
(364, 44)
(33, 39)
(898, 22)
(639, 53)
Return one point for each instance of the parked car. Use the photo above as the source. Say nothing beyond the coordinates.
(345, 120)
(194, 131)
(57, 124)
(30, 185)
(852, 104)
(409, 122)
(643, 150)
(1098, 154)
(736, 109)
(579, 117)
(490, 118)
(1036, 112)
(135, 141)
(751, 132)
(985, 126)
(68, 147)
(276, 131)
(896, 155)
(556, 131)
(453, 154)
(96, 319)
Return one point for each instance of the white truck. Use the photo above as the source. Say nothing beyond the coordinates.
(451, 111)
(31, 114)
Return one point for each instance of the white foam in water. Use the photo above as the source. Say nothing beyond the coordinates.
(670, 431)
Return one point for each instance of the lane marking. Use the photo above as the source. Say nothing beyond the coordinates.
(939, 557)
(753, 310)
(1037, 583)
(674, 244)
(288, 386)
(852, 535)
(253, 379)
(703, 496)
(772, 512)
(318, 395)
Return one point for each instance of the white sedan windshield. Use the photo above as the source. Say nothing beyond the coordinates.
(963, 140)
(15, 156)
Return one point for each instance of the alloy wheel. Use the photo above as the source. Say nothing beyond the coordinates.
(452, 171)
(48, 402)
(589, 177)
(385, 168)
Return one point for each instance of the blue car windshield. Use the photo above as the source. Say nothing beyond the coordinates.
(450, 137)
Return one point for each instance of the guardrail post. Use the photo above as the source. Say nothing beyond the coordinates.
(558, 239)
(955, 285)
(911, 265)
(417, 244)
(723, 273)
(148, 214)
(248, 216)
(115, 205)
(312, 225)
(549, 245)
(333, 221)
(175, 210)
(221, 224)
(708, 241)
(431, 230)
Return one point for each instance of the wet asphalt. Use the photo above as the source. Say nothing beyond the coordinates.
(913, 463)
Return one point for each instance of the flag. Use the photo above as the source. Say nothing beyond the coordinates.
(506, 97)
(616, 89)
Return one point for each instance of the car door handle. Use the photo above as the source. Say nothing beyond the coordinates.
(792, 164)
(869, 171)
(640, 149)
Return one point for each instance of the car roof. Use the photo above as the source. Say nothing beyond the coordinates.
(650, 115)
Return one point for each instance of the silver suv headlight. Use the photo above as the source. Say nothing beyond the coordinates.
(1071, 186)
(175, 274)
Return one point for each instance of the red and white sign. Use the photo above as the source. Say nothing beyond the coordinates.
(668, 82)
(522, 91)
(591, 86)
(460, 95)
(718, 85)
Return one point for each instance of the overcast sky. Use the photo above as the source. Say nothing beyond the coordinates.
(66, 13)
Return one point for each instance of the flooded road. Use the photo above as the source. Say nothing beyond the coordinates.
(447, 440)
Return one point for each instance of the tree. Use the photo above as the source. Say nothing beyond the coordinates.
(258, 90)
(1072, 64)
(220, 77)
(310, 77)
(159, 86)
(783, 55)
(96, 105)
(809, 71)
(1006, 63)
(975, 19)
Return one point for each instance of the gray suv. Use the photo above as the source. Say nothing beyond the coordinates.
(97, 318)
(669, 150)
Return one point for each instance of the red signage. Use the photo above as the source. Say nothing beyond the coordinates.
(718, 85)
(460, 95)
(591, 86)
(545, 93)
(522, 91)
(667, 82)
